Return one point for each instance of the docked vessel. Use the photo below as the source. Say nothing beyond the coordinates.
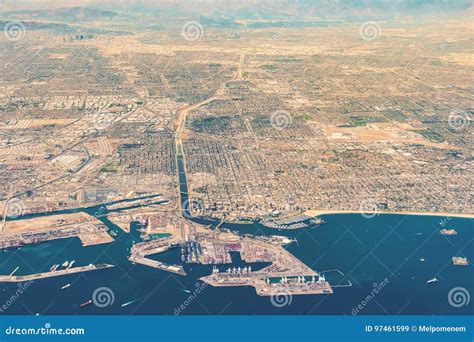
(71, 264)
(448, 232)
(317, 220)
(460, 261)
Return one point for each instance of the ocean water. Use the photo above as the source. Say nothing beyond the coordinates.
(380, 257)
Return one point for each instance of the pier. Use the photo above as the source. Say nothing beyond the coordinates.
(36, 276)
(141, 250)
(139, 259)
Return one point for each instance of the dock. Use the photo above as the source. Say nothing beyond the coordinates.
(140, 259)
(36, 276)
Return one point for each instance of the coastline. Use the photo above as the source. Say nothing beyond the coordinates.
(315, 213)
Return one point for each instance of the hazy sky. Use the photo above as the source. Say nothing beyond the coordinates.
(281, 4)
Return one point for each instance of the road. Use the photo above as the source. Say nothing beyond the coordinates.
(184, 112)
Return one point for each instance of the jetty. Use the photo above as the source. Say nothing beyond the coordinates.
(141, 259)
(49, 274)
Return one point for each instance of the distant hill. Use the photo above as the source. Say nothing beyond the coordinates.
(69, 15)
(160, 14)
(61, 28)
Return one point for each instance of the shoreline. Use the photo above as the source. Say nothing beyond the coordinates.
(315, 213)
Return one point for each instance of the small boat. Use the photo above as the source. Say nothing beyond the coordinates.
(65, 264)
(185, 290)
(54, 268)
(71, 264)
(89, 302)
(128, 303)
(434, 280)
(65, 286)
(422, 259)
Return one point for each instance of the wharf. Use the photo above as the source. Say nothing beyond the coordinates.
(36, 276)
(139, 259)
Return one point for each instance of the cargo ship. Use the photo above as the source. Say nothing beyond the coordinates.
(448, 232)
(460, 261)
